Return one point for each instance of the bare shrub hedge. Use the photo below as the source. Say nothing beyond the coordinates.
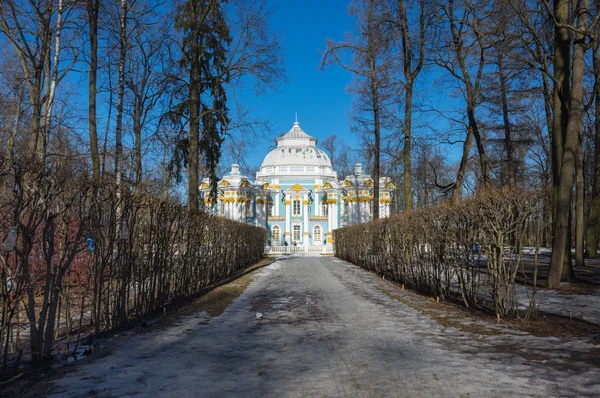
(470, 251)
(146, 252)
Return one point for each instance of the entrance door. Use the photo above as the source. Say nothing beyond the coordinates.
(296, 233)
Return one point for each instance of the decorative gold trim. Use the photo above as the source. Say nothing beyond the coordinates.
(369, 182)
(276, 186)
(331, 201)
(260, 201)
(305, 203)
(287, 202)
(225, 183)
(389, 185)
(364, 199)
(317, 186)
(348, 183)
(297, 188)
(306, 233)
(204, 185)
(385, 200)
(229, 200)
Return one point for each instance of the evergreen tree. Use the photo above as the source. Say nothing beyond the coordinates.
(205, 37)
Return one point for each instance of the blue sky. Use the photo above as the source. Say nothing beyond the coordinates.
(318, 96)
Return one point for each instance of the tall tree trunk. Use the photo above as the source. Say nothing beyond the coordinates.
(593, 222)
(137, 132)
(120, 97)
(377, 155)
(460, 175)
(93, 7)
(483, 160)
(119, 154)
(510, 167)
(376, 111)
(472, 91)
(194, 106)
(406, 151)
(410, 75)
(580, 204)
(10, 150)
(559, 269)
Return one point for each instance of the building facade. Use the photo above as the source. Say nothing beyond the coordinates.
(296, 195)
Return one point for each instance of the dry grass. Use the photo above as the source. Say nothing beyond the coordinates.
(449, 314)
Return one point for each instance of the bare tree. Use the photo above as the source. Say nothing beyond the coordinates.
(412, 62)
(368, 57)
(466, 64)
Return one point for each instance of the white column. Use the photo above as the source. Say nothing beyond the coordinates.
(318, 206)
(276, 204)
(335, 215)
(287, 224)
(329, 220)
(305, 204)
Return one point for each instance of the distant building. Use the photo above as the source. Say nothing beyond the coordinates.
(296, 195)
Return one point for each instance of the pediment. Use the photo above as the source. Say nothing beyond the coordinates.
(296, 188)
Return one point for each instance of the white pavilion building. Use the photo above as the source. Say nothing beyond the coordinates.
(296, 195)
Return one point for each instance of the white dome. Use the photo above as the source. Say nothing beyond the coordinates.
(296, 148)
(296, 156)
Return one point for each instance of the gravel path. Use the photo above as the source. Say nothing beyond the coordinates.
(329, 330)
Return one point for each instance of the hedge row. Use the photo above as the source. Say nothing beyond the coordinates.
(470, 251)
(82, 255)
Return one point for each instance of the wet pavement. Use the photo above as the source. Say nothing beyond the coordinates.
(316, 326)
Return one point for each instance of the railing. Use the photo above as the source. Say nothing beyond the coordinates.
(317, 218)
(326, 249)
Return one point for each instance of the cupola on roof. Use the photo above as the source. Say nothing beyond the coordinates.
(296, 148)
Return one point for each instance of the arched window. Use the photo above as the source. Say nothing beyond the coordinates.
(324, 211)
(275, 235)
(317, 235)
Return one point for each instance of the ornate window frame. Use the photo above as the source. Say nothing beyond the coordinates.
(317, 240)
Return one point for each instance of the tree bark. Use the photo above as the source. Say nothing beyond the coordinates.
(376, 113)
(592, 229)
(510, 168)
(194, 106)
(560, 265)
(93, 7)
(409, 75)
(406, 150)
(137, 132)
(460, 174)
(580, 205)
